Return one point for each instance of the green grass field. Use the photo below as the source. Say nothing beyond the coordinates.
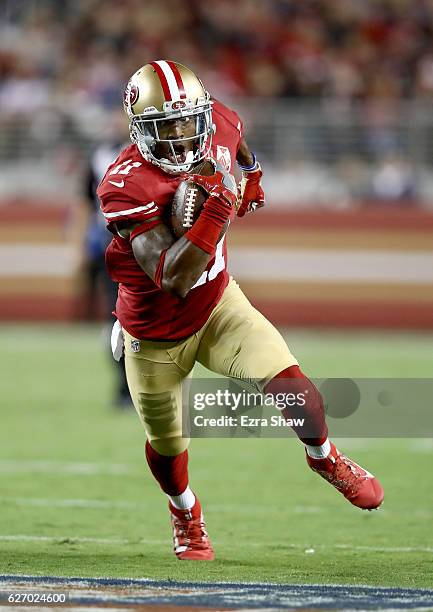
(77, 499)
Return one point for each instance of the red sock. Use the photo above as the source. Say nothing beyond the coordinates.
(292, 380)
(170, 472)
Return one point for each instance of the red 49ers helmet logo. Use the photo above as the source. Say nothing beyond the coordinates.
(178, 104)
(130, 95)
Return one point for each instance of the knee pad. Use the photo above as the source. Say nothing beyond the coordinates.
(158, 410)
(161, 415)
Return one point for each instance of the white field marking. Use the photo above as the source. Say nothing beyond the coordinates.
(97, 504)
(324, 265)
(78, 540)
(75, 503)
(13, 466)
(34, 538)
(308, 509)
(24, 581)
(387, 549)
(382, 513)
(129, 505)
(407, 445)
(117, 541)
(357, 443)
(422, 445)
(261, 509)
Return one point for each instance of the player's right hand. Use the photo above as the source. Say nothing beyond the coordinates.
(218, 192)
(215, 214)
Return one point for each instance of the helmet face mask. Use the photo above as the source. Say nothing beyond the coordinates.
(157, 141)
(170, 116)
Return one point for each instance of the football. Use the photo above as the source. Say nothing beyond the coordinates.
(189, 198)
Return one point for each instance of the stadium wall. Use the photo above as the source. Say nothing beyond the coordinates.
(370, 267)
(41, 258)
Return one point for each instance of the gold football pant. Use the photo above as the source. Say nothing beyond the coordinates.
(236, 341)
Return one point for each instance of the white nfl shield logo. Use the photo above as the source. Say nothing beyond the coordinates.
(223, 157)
(135, 346)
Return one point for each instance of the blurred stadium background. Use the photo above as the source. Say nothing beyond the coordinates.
(337, 99)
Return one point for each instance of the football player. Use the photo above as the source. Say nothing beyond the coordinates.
(177, 304)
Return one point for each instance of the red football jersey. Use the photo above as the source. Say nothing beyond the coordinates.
(134, 189)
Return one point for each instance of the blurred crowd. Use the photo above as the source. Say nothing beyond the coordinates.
(292, 48)
(63, 62)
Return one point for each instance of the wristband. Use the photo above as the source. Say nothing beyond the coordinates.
(206, 231)
(251, 168)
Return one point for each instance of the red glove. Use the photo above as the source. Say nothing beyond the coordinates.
(215, 187)
(217, 209)
(250, 196)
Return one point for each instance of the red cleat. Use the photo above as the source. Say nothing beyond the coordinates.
(190, 538)
(357, 485)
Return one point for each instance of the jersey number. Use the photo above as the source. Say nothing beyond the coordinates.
(218, 266)
(125, 167)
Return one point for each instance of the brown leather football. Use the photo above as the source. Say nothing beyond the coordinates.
(188, 200)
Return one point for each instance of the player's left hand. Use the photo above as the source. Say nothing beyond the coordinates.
(250, 192)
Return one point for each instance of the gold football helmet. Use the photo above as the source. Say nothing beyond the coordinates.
(170, 115)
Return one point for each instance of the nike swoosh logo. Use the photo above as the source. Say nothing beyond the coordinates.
(118, 184)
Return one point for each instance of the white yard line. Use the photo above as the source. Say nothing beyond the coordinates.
(117, 541)
(13, 466)
(383, 513)
(387, 549)
(75, 503)
(100, 504)
(35, 538)
(18, 466)
(78, 540)
(421, 445)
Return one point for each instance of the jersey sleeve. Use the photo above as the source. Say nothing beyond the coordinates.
(124, 209)
(231, 117)
(240, 129)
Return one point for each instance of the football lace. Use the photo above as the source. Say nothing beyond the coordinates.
(188, 216)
